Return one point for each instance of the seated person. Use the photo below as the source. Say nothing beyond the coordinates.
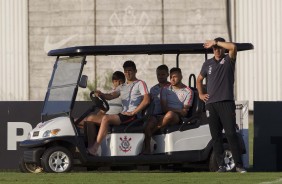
(94, 119)
(162, 75)
(176, 99)
(118, 78)
(135, 97)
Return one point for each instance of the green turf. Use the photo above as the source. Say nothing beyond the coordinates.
(139, 177)
(251, 141)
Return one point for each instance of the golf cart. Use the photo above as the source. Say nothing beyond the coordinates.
(57, 144)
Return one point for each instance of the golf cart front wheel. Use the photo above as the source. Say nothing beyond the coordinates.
(228, 160)
(57, 160)
(29, 167)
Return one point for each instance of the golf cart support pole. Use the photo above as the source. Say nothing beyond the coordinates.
(177, 60)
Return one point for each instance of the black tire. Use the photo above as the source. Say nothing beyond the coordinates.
(57, 159)
(29, 168)
(228, 159)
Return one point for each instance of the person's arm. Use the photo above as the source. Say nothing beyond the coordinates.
(165, 108)
(186, 104)
(163, 100)
(164, 105)
(203, 96)
(231, 47)
(183, 112)
(145, 102)
(108, 96)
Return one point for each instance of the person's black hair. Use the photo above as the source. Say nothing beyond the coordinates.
(163, 67)
(219, 39)
(129, 63)
(172, 70)
(118, 75)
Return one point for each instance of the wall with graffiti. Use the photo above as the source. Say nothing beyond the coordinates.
(57, 24)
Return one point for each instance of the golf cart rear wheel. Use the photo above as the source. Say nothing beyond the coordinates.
(228, 159)
(29, 167)
(57, 159)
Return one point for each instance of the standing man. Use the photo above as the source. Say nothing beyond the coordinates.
(219, 99)
(134, 97)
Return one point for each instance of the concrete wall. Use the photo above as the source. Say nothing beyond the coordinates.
(56, 24)
(62, 23)
(14, 50)
(259, 76)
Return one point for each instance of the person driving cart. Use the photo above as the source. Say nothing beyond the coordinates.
(115, 105)
(135, 97)
(94, 119)
(176, 99)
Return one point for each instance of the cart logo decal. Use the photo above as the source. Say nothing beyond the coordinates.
(125, 144)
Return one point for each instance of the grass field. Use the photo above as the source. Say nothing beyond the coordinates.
(251, 140)
(155, 177)
(141, 177)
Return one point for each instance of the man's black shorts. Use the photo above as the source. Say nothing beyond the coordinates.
(126, 119)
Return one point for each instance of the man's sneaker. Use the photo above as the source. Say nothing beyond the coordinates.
(240, 170)
(222, 169)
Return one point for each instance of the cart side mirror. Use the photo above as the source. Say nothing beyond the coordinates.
(83, 81)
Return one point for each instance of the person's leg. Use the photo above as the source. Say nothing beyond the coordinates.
(152, 123)
(106, 121)
(91, 130)
(95, 118)
(228, 119)
(90, 123)
(170, 118)
(216, 132)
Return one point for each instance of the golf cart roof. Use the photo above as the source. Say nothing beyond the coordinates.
(192, 48)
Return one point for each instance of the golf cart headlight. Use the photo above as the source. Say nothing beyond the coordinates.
(49, 133)
(46, 133)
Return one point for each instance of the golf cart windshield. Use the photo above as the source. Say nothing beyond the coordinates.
(63, 85)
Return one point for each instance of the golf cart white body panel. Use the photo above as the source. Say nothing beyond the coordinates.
(193, 139)
(123, 144)
(62, 123)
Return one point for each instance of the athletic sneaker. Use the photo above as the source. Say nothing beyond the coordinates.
(222, 169)
(240, 170)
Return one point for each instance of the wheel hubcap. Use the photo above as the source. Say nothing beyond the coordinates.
(59, 161)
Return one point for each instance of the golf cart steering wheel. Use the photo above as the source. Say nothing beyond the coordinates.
(99, 101)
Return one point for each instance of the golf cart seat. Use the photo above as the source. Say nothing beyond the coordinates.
(136, 126)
